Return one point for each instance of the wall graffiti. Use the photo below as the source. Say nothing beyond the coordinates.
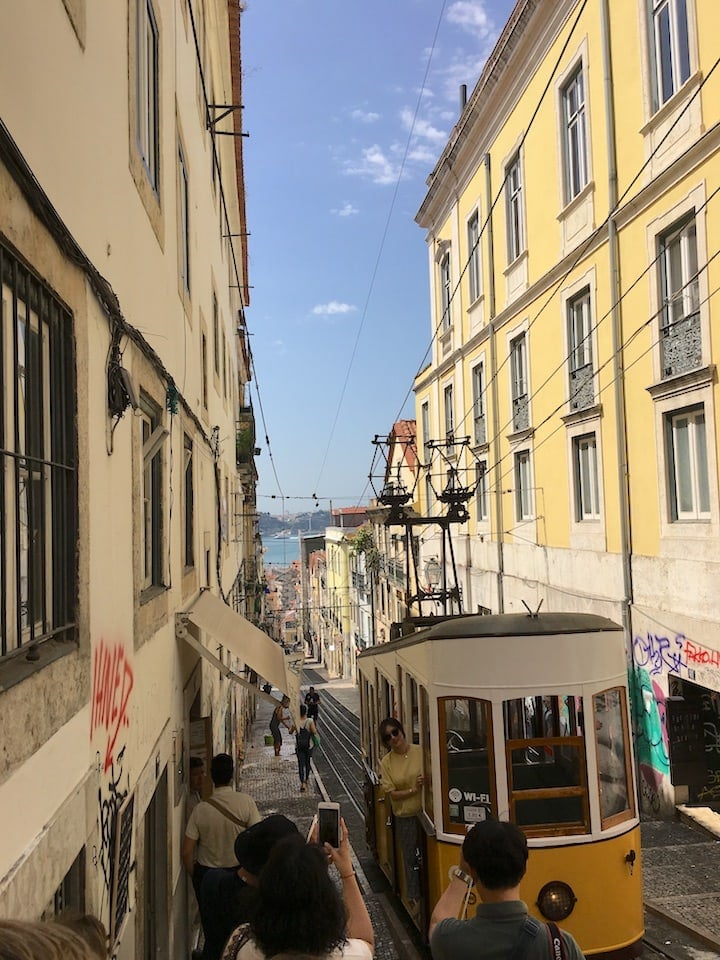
(651, 745)
(113, 681)
(676, 653)
(109, 806)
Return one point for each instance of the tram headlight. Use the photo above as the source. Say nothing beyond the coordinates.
(556, 900)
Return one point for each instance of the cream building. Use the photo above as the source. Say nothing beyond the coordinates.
(127, 494)
(573, 225)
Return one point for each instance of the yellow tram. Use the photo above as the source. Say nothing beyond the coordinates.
(522, 718)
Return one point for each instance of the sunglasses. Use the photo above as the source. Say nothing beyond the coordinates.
(389, 734)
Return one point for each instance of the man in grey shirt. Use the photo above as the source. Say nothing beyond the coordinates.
(494, 858)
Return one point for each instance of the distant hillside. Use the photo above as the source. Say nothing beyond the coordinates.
(316, 521)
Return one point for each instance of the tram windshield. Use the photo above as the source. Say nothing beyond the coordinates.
(546, 766)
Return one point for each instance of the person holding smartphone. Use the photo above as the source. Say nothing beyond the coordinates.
(402, 781)
(300, 910)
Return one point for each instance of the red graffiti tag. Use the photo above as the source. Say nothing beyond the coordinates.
(694, 653)
(112, 684)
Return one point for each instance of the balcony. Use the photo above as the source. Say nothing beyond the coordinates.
(681, 345)
(245, 449)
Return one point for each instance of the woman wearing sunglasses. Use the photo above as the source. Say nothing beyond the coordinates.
(402, 781)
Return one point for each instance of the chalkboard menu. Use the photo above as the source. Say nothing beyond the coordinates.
(122, 865)
(686, 743)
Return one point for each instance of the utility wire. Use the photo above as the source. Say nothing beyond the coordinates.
(382, 246)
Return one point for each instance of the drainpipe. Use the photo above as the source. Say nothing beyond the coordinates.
(618, 356)
(494, 392)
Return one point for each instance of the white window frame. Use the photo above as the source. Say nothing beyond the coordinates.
(586, 532)
(445, 280)
(482, 502)
(519, 375)
(425, 426)
(574, 132)
(479, 406)
(152, 436)
(474, 262)
(449, 417)
(697, 464)
(696, 536)
(147, 93)
(523, 486)
(514, 208)
(664, 85)
(183, 219)
(691, 205)
(586, 478)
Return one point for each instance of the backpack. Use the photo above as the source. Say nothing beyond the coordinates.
(303, 739)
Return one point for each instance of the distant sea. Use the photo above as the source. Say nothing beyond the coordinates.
(280, 552)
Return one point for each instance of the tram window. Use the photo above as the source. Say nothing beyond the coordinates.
(427, 755)
(413, 715)
(546, 767)
(466, 761)
(611, 737)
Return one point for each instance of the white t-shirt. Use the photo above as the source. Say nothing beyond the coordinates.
(352, 950)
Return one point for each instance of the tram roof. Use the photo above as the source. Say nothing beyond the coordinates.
(501, 625)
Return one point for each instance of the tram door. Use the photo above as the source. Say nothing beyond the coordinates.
(386, 707)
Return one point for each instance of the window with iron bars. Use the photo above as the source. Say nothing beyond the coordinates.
(38, 480)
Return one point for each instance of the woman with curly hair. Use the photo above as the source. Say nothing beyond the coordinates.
(299, 909)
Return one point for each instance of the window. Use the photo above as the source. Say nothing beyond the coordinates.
(184, 220)
(473, 239)
(680, 334)
(478, 386)
(445, 291)
(466, 762)
(523, 490)
(216, 334)
(574, 135)
(148, 124)
(449, 417)
(425, 422)
(547, 773)
(429, 493)
(518, 374)
(587, 495)
(481, 491)
(153, 434)
(581, 386)
(203, 370)
(513, 209)
(189, 540)
(612, 748)
(688, 465)
(669, 48)
(38, 479)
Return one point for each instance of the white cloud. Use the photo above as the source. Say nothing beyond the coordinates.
(332, 309)
(422, 128)
(471, 16)
(346, 210)
(365, 116)
(375, 165)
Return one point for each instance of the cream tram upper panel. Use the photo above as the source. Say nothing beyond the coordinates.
(508, 661)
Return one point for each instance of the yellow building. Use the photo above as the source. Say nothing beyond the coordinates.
(573, 222)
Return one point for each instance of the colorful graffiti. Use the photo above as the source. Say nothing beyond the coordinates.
(113, 681)
(675, 653)
(652, 750)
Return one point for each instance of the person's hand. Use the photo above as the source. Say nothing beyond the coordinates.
(420, 781)
(340, 856)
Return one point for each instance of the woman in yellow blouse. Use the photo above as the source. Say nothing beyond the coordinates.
(402, 781)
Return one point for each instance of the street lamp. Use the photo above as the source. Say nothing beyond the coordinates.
(433, 573)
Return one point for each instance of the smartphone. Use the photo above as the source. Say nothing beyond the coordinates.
(329, 823)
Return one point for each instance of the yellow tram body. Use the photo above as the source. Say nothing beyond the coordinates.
(523, 718)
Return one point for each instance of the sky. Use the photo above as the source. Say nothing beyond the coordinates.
(347, 107)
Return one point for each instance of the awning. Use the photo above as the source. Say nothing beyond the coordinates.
(252, 646)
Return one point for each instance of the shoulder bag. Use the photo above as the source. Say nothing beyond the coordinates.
(226, 813)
